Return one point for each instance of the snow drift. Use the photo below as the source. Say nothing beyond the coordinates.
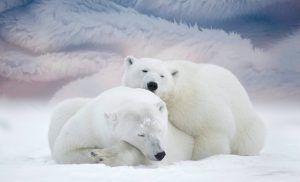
(25, 155)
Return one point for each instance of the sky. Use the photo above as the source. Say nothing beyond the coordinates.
(51, 47)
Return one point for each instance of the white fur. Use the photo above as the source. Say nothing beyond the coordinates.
(204, 101)
(105, 129)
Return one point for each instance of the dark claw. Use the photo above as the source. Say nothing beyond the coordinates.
(93, 154)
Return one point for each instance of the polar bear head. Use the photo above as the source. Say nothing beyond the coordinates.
(142, 125)
(150, 74)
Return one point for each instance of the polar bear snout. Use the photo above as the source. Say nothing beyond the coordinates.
(159, 156)
(152, 86)
(154, 149)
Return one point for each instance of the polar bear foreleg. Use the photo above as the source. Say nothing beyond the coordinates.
(76, 156)
(210, 144)
(121, 154)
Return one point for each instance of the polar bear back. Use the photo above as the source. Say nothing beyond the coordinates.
(212, 81)
(61, 114)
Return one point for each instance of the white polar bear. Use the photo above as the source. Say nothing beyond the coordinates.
(99, 130)
(205, 101)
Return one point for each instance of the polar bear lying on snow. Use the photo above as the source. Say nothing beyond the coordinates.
(122, 126)
(204, 101)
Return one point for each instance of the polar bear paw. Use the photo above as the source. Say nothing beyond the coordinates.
(104, 156)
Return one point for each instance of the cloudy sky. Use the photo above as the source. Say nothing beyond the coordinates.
(55, 48)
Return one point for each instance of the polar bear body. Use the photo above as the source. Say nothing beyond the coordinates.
(204, 101)
(106, 120)
(75, 132)
(62, 113)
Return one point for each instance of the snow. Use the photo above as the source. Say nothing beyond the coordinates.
(25, 155)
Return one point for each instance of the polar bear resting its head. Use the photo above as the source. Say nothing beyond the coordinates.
(150, 74)
(205, 101)
(81, 129)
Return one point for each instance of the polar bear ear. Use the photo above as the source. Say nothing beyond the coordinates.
(161, 106)
(111, 118)
(129, 60)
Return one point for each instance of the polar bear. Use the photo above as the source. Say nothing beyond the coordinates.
(122, 126)
(205, 101)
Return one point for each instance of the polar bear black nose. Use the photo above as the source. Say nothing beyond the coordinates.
(159, 156)
(152, 86)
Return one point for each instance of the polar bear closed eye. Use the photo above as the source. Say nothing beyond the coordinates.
(205, 101)
(141, 125)
(80, 127)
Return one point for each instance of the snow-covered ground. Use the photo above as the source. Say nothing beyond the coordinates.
(25, 156)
